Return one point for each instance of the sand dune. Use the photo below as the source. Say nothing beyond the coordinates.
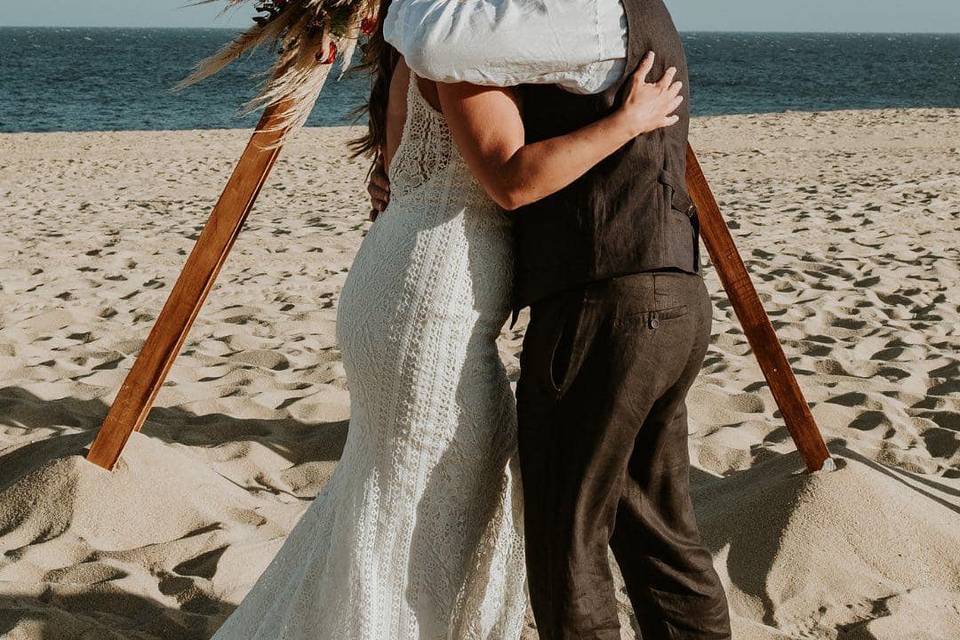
(849, 221)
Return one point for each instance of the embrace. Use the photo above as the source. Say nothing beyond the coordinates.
(529, 154)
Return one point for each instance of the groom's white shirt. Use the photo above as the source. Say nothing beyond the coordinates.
(578, 44)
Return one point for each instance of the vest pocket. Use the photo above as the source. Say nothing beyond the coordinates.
(677, 194)
(680, 203)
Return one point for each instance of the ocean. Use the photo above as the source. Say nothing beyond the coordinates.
(78, 79)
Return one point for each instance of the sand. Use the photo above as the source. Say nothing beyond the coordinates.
(849, 221)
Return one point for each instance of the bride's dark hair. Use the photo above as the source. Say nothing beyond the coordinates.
(379, 60)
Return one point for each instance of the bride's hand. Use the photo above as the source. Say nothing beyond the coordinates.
(651, 106)
(379, 189)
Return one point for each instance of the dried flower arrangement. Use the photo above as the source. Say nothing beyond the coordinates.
(309, 35)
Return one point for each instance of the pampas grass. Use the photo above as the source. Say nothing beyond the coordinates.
(309, 35)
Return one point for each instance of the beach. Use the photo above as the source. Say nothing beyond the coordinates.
(849, 222)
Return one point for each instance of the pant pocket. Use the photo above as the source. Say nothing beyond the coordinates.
(562, 353)
(570, 345)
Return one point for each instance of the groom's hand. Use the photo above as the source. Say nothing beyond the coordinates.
(651, 105)
(379, 189)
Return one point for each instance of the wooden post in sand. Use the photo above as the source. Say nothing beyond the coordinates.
(756, 324)
(140, 388)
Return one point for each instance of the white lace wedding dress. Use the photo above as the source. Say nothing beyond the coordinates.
(417, 536)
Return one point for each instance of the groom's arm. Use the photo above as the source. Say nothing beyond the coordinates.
(578, 44)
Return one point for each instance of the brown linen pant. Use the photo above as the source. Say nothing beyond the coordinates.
(603, 453)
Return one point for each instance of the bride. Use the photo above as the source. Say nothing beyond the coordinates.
(417, 536)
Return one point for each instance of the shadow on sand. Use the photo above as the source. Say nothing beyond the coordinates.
(77, 422)
(105, 614)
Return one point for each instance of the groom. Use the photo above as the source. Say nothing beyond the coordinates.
(619, 315)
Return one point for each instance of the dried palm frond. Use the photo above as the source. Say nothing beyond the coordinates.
(310, 36)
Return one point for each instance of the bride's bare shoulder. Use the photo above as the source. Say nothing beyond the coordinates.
(396, 108)
(428, 89)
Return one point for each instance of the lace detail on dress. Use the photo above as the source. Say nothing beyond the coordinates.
(417, 536)
(425, 144)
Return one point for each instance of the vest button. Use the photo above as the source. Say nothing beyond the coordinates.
(654, 322)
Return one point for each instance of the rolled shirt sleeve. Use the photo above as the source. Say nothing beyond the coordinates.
(577, 44)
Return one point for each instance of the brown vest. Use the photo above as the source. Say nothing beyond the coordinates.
(631, 213)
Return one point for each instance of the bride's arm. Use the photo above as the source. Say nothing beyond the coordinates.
(488, 129)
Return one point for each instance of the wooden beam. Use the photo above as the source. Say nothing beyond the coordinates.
(150, 369)
(756, 324)
(140, 388)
